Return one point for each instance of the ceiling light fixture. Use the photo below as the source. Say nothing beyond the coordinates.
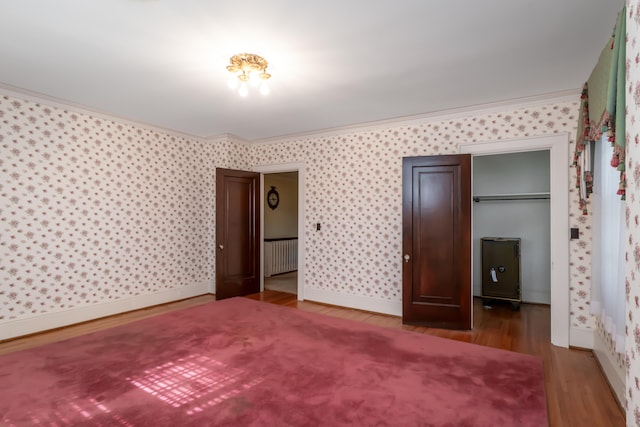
(248, 69)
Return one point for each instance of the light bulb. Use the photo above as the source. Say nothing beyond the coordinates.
(243, 91)
(254, 79)
(232, 82)
(264, 88)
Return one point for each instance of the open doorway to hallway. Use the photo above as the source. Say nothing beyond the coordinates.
(281, 232)
(286, 282)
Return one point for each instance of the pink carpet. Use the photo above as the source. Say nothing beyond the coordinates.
(240, 362)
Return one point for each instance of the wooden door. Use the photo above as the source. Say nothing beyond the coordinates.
(436, 228)
(237, 233)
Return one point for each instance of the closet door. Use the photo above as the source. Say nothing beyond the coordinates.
(436, 212)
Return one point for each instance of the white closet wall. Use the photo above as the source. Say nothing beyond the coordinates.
(523, 176)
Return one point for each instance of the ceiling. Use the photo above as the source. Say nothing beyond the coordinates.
(334, 63)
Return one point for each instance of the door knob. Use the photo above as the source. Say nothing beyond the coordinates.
(221, 247)
(406, 257)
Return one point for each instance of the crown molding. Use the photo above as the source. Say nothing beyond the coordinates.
(454, 113)
(228, 137)
(554, 97)
(52, 101)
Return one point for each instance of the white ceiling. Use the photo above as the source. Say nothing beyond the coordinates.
(334, 63)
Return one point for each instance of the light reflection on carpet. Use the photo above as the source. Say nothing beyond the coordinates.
(197, 381)
(254, 363)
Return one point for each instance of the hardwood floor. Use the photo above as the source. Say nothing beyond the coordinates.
(577, 392)
(287, 282)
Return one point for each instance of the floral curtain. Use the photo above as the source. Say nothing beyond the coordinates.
(582, 155)
(616, 101)
(602, 110)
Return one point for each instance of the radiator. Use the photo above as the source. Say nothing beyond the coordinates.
(280, 256)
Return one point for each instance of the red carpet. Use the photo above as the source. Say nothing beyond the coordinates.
(240, 362)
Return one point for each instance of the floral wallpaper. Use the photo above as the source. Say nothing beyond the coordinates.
(633, 213)
(94, 210)
(353, 188)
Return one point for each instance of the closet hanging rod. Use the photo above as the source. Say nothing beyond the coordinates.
(509, 197)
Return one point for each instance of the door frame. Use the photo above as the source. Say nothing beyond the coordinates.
(558, 146)
(279, 168)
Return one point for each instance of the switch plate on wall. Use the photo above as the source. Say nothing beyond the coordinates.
(575, 233)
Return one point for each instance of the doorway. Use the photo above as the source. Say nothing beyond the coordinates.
(511, 201)
(558, 146)
(282, 216)
(280, 245)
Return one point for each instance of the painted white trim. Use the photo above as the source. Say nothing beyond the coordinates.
(536, 296)
(615, 376)
(558, 146)
(454, 113)
(581, 338)
(16, 328)
(227, 137)
(262, 231)
(524, 102)
(280, 168)
(62, 104)
(471, 258)
(393, 308)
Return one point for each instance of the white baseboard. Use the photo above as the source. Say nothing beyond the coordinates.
(361, 303)
(579, 337)
(582, 338)
(614, 374)
(536, 296)
(19, 327)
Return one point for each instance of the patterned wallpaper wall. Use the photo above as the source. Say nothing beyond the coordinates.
(93, 210)
(633, 213)
(353, 188)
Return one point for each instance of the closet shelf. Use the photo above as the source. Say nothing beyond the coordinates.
(522, 196)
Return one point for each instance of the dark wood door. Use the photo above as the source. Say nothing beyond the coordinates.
(237, 233)
(436, 240)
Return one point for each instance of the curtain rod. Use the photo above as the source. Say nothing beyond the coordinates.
(478, 199)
